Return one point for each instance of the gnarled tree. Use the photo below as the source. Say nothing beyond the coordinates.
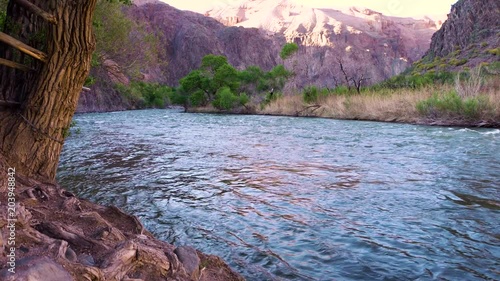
(45, 54)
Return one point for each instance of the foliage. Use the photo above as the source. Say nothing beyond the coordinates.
(495, 52)
(142, 94)
(213, 62)
(288, 50)
(95, 60)
(310, 94)
(177, 96)
(89, 81)
(215, 73)
(341, 90)
(198, 98)
(270, 97)
(224, 99)
(243, 99)
(416, 80)
(216, 78)
(3, 12)
(452, 105)
(457, 62)
(117, 37)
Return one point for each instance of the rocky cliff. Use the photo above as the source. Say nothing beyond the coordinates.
(382, 45)
(469, 36)
(186, 37)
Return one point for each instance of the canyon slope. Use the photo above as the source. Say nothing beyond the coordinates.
(382, 45)
(253, 33)
(470, 36)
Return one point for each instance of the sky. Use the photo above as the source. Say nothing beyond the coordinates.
(398, 8)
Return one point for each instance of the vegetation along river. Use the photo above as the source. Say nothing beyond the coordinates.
(284, 198)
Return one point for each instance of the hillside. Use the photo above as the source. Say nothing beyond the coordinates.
(363, 39)
(469, 37)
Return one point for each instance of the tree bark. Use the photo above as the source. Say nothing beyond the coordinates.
(31, 137)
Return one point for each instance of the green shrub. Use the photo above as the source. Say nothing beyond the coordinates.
(95, 60)
(310, 94)
(288, 50)
(244, 99)
(456, 53)
(484, 44)
(494, 52)
(457, 62)
(216, 73)
(89, 81)
(341, 90)
(452, 105)
(142, 94)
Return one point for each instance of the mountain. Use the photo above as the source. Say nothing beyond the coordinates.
(384, 45)
(470, 36)
(363, 40)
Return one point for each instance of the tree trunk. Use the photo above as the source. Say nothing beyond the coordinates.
(32, 135)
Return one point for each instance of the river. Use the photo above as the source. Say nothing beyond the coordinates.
(283, 198)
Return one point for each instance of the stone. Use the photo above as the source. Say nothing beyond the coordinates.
(86, 260)
(190, 260)
(36, 268)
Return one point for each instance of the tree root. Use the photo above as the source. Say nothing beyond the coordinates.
(57, 231)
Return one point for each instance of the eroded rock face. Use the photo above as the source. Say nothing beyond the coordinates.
(114, 72)
(33, 268)
(186, 37)
(469, 22)
(383, 45)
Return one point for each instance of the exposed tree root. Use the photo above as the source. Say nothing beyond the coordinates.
(66, 236)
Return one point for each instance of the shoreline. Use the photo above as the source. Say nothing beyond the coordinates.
(420, 122)
(57, 234)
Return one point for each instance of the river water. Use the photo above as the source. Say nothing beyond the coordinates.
(284, 198)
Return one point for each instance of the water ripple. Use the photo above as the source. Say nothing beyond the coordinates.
(300, 199)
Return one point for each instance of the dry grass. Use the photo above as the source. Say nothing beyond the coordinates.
(470, 87)
(395, 106)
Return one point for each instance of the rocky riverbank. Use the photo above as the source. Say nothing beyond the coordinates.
(58, 236)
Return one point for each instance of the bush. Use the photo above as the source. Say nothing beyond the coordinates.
(452, 105)
(89, 81)
(310, 94)
(457, 62)
(288, 50)
(244, 99)
(341, 90)
(142, 94)
(494, 52)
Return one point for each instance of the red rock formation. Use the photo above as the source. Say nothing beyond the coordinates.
(469, 22)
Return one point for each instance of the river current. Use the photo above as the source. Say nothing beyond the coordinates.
(283, 198)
